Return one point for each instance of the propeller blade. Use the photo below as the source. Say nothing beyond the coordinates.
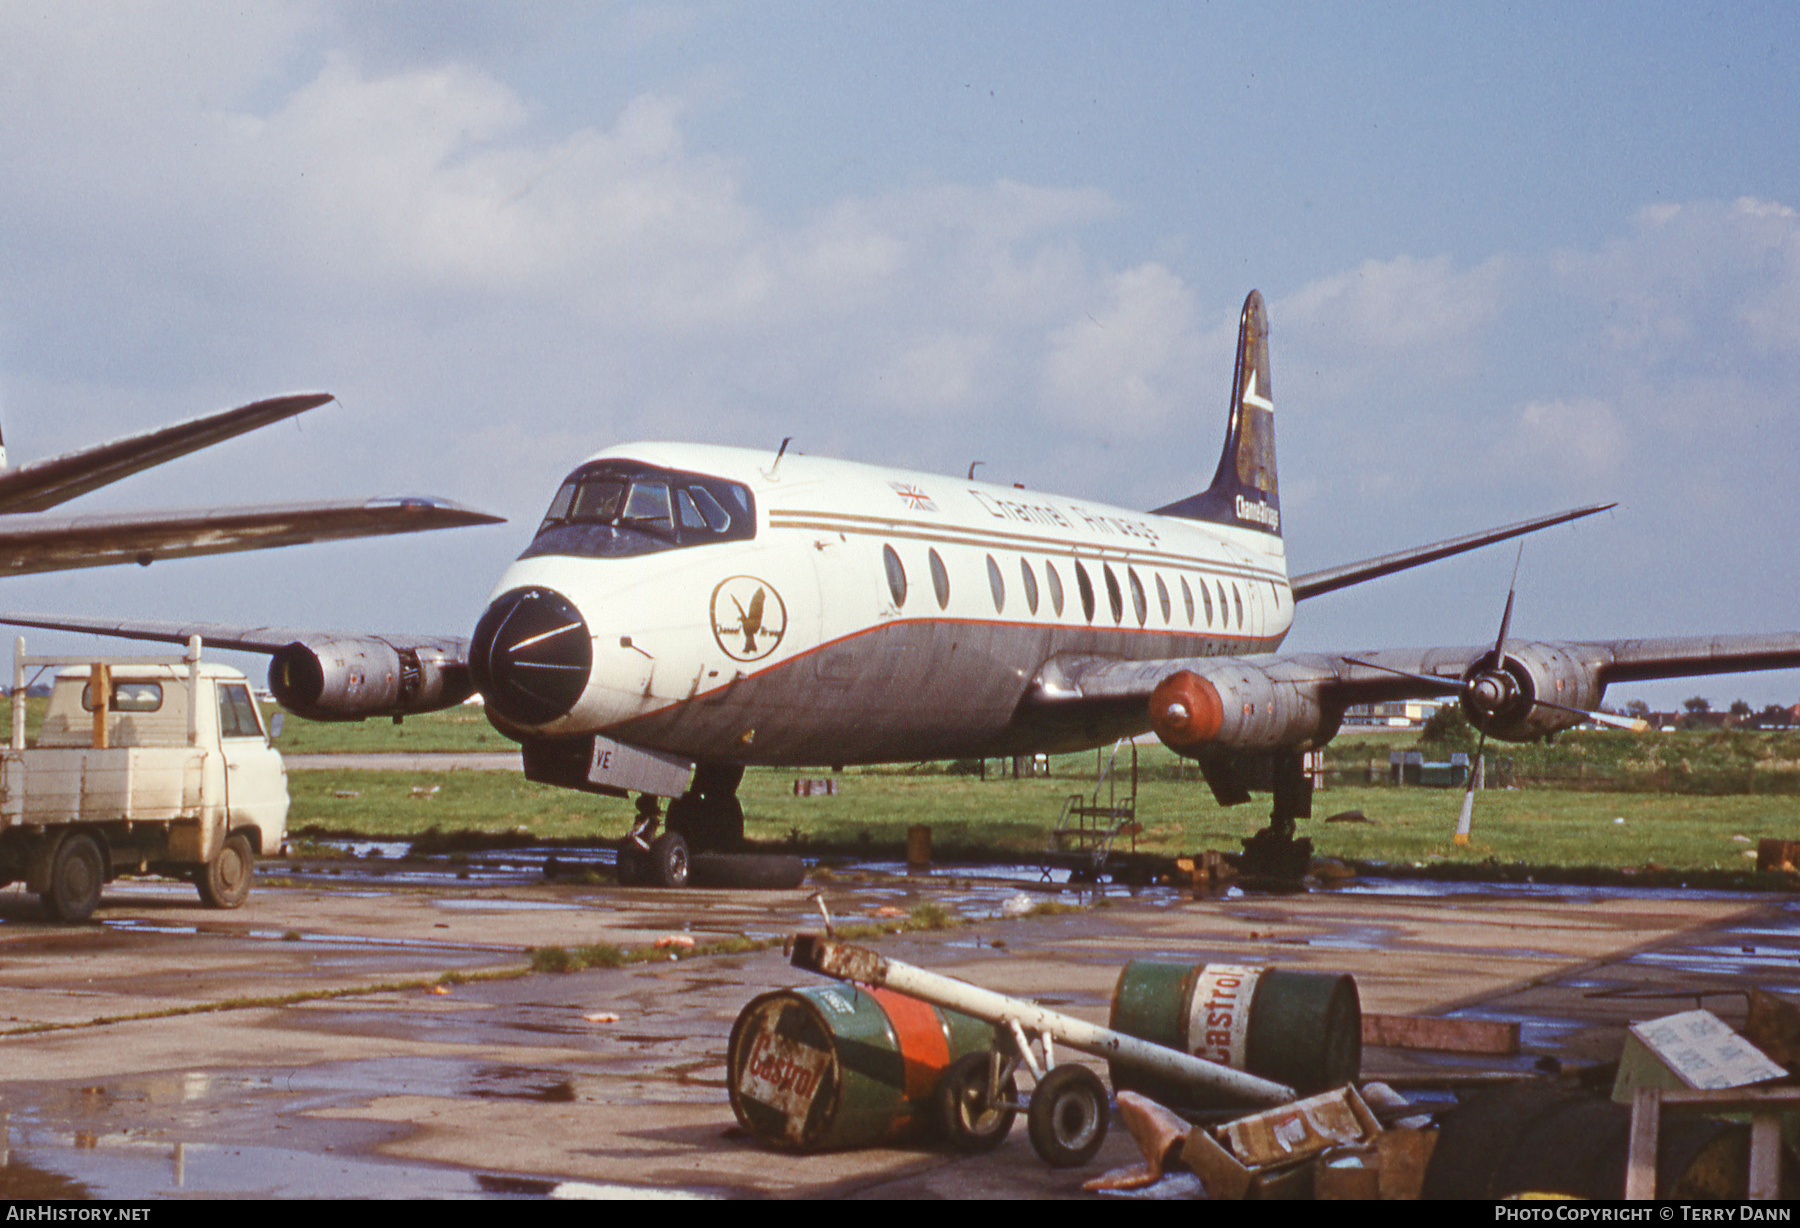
(1630, 723)
(1466, 819)
(1455, 686)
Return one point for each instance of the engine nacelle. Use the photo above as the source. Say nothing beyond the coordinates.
(1236, 706)
(1508, 701)
(353, 678)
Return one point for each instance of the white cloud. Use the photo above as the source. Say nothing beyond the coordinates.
(1129, 362)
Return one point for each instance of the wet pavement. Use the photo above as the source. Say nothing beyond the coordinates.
(325, 1040)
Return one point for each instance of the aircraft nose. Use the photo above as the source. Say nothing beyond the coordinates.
(531, 655)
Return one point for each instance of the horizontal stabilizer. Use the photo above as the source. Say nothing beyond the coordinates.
(46, 483)
(31, 544)
(1315, 582)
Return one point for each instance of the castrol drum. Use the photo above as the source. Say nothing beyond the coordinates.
(835, 1066)
(1299, 1028)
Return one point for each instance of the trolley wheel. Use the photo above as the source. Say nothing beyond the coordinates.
(669, 860)
(1068, 1116)
(972, 1122)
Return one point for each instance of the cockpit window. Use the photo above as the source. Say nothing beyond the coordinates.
(618, 508)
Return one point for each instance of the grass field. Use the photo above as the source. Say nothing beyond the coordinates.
(1722, 791)
(876, 806)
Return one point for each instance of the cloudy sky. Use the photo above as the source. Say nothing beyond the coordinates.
(1517, 258)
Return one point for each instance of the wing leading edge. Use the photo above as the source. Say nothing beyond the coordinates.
(46, 483)
(31, 544)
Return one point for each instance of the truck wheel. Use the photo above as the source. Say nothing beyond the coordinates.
(1067, 1117)
(75, 879)
(669, 860)
(226, 881)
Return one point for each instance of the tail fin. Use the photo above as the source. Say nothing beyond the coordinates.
(1243, 491)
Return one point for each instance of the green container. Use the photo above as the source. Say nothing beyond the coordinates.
(830, 1067)
(1299, 1028)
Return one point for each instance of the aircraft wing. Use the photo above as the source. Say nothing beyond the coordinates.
(216, 635)
(1314, 583)
(46, 483)
(58, 543)
(1288, 699)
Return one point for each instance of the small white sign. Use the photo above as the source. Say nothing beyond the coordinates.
(1704, 1053)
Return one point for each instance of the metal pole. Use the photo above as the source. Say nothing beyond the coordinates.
(193, 664)
(844, 962)
(18, 694)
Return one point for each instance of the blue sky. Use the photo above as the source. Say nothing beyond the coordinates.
(1517, 258)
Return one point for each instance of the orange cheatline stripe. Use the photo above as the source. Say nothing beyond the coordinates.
(924, 1048)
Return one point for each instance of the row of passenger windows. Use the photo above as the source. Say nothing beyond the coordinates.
(1230, 611)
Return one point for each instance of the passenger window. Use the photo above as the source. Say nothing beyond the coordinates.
(1206, 596)
(1030, 585)
(1224, 610)
(1056, 598)
(1114, 597)
(1238, 601)
(1139, 605)
(1187, 599)
(896, 575)
(237, 714)
(940, 580)
(1087, 590)
(996, 585)
(1162, 597)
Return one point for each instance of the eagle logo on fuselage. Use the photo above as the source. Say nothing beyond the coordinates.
(748, 618)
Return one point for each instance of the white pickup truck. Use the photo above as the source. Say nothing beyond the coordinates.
(164, 768)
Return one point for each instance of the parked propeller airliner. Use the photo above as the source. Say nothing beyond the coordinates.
(684, 611)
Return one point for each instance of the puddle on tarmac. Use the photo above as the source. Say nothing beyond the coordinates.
(111, 1140)
(110, 1168)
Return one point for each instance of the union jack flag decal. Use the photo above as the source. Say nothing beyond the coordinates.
(913, 497)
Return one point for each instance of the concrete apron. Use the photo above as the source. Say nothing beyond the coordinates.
(506, 1087)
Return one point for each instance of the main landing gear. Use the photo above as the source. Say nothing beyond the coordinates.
(702, 841)
(1274, 852)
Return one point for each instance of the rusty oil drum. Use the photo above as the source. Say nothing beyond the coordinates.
(835, 1066)
(1299, 1028)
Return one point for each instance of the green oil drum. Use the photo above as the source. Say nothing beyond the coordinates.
(1299, 1028)
(836, 1066)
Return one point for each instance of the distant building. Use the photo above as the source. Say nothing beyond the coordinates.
(1400, 714)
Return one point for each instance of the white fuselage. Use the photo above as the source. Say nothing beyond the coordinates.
(844, 659)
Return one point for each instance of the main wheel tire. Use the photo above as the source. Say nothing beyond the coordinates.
(971, 1122)
(669, 861)
(1068, 1116)
(634, 864)
(747, 871)
(77, 873)
(226, 880)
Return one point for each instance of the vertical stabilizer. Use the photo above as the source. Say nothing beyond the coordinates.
(1243, 490)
